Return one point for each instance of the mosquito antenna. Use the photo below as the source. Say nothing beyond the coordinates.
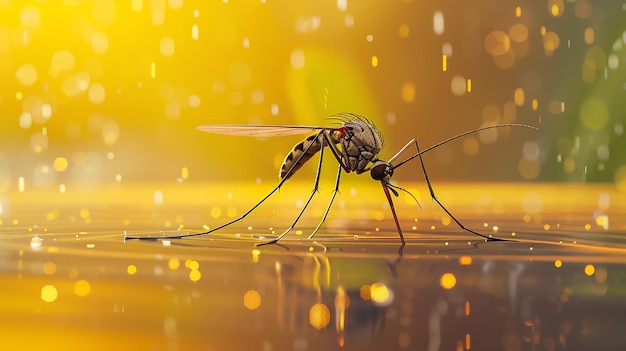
(406, 191)
(462, 135)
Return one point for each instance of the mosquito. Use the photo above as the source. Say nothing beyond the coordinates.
(355, 144)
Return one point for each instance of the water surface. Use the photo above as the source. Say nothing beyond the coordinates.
(72, 282)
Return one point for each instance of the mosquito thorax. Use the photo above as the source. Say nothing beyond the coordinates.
(381, 170)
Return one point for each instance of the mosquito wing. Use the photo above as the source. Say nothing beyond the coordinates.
(259, 130)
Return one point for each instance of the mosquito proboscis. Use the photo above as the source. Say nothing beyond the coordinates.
(355, 144)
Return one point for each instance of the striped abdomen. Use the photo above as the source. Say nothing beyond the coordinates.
(298, 155)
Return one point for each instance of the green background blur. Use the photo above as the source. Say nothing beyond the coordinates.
(97, 91)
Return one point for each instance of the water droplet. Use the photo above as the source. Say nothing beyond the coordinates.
(36, 241)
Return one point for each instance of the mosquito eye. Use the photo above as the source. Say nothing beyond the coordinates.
(380, 171)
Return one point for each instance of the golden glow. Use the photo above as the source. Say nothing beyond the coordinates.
(590, 269)
(342, 302)
(582, 9)
(26, 74)
(216, 212)
(173, 263)
(458, 85)
(52, 215)
(408, 92)
(192, 264)
(438, 22)
(255, 255)
(30, 17)
(556, 7)
(195, 275)
(445, 220)
(467, 308)
(374, 61)
(167, 46)
(551, 42)
(96, 94)
(365, 292)
(603, 221)
(252, 299)
(447, 281)
(84, 213)
(518, 32)
(465, 260)
(99, 42)
(184, 174)
(505, 61)
(137, 5)
(49, 268)
(497, 43)
(518, 96)
(49, 293)
(319, 315)
(60, 164)
(558, 263)
(86, 71)
(342, 299)
(589, 35)
(403, 31)
(82, 288)
(379, 293)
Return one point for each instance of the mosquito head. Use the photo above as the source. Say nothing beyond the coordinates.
(381, 170)
(360, 142)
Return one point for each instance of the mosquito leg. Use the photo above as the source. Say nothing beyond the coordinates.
(315, 190)
(404, 148)
(282, 181)
(337, 153)
(342, 165)
(393, 211)
(434, 197)
(330, 203)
